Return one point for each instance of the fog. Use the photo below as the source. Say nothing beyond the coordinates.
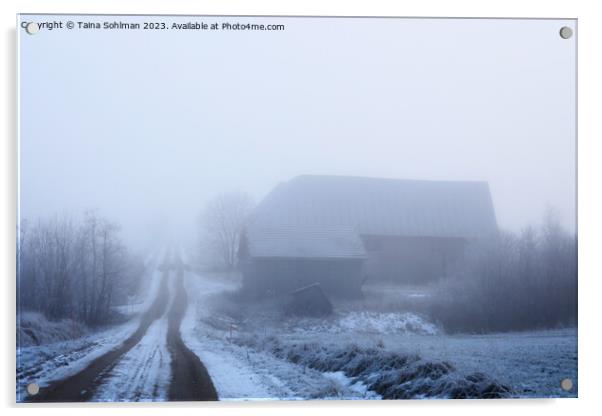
(148, 126)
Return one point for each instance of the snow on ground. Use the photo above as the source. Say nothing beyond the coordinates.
(363, 322)
(228, 366)
(44, 363)
(148, 292)
(241, 373)
(143, 373)
(56, 357)
(357, 387)
(387, 323)
(531, 363)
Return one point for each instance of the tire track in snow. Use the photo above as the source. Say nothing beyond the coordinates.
(81, 386)
(143, 373)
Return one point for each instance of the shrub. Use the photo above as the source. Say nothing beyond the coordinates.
(513, 282)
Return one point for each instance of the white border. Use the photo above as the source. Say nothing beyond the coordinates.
(590, 207)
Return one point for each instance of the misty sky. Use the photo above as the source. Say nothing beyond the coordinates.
(146, 126)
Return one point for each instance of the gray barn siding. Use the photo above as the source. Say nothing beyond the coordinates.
(337, 277)
(411, 260)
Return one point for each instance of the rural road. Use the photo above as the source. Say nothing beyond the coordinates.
(190, 380)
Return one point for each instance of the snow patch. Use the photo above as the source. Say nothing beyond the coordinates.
(365, 322)
(359, 389)
(242, 373)
(45, 363)
(387, 323)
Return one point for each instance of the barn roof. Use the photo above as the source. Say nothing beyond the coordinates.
(374, 206)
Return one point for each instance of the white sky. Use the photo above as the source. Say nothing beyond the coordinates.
(147, 126)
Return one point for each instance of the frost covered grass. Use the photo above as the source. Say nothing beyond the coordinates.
(377, 313)
(254, 351)
(364, 322)
(243, 373)
(390, 375)
(52, 350)
(34, 329)
(57, 360)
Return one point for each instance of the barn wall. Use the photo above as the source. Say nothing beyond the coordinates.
(411, 260)
(336, 277)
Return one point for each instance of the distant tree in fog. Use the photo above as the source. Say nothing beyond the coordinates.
(221, 225)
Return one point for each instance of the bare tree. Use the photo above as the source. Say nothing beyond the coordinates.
(102, 261)
(66, 269)
(46, 265)
(222, 223)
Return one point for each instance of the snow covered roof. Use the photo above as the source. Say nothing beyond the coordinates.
(311, 210)
(304, 242)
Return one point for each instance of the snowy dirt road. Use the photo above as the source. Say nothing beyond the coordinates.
(190, 381)
(152, 364)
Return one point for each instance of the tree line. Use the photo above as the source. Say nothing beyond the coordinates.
(516, 281)
(75, 268)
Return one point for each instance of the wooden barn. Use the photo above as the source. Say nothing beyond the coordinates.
(343, 231)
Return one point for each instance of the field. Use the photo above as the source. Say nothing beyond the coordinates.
(380, 347)
(287, 357)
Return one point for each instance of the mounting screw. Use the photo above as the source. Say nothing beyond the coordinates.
(566, 32)
(566, 384)
(33, 389)
(32, 28)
